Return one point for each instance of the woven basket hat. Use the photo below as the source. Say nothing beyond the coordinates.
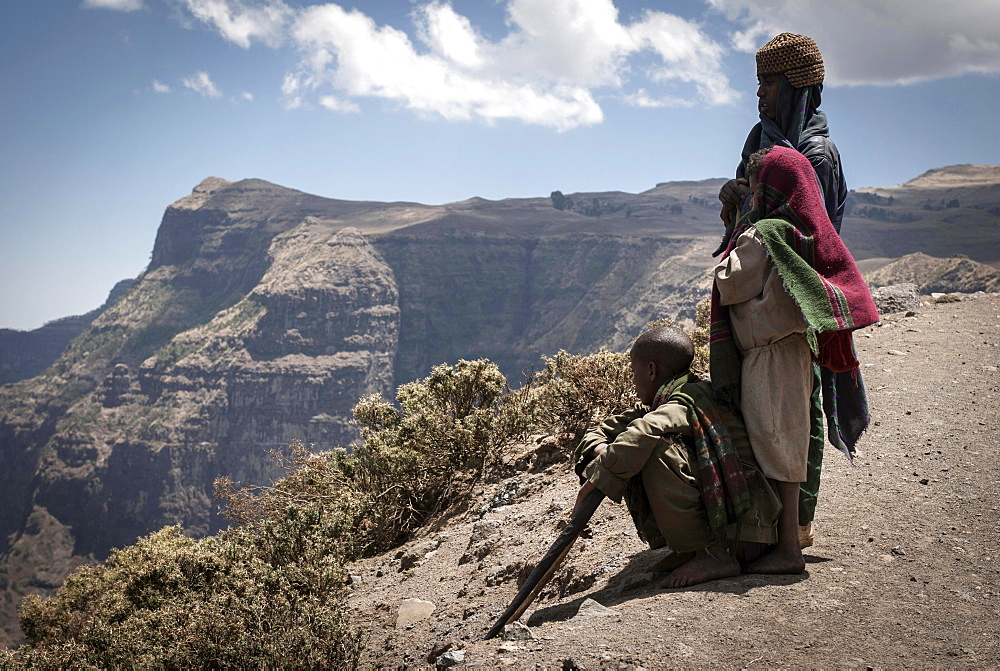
(795, 56)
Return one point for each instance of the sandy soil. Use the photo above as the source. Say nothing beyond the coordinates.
(905, 571)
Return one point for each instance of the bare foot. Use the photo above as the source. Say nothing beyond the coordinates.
(672, 561)
(712, 563)
(779, 561)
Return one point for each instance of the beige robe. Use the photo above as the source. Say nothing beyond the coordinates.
(777, 372)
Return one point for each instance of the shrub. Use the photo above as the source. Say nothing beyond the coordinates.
(576, 391)
(700, 336)
(268, 593)
(423, 456)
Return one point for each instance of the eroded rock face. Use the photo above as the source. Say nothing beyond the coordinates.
(223, 350)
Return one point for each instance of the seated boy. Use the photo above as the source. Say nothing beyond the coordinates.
(683, 464)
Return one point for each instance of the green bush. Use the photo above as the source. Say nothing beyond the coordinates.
(424, 455)
(269, 593)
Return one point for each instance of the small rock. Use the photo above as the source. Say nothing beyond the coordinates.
(925, 481)
(518, 631)
(354, 580)
(440, 648)
(896, 352)
(569, 664)
(413, 610)
(896, 298)
(590, 608)
(449, 659)
(898, 551)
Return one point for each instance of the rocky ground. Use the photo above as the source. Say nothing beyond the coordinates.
(905, 571)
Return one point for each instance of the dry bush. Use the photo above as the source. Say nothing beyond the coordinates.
(574, 392)
(271, 596)
(423, 455)
(267, 593)
(700, 336)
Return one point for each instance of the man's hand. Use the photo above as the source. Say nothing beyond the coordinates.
(732, 194)
(734, 191)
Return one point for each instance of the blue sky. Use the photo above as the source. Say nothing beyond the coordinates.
(113, 109)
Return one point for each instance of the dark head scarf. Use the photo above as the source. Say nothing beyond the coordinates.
(798, 119)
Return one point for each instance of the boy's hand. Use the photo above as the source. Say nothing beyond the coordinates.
(584, 460)
(734, 191)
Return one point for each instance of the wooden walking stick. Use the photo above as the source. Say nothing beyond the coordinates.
(543, 572)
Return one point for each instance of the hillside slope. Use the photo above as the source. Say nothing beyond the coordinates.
(904, 572)
(945, 212)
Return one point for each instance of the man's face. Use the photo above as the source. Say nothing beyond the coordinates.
(644, 379)
(767, 95)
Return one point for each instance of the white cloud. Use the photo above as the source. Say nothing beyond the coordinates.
(291, 87)
(240, 22)
(879, 41)
(160, 87)
(578, 41)
(337, 105)
(246, 96)
(120, 5)
(347, 50)
(449, 35)
(201, 83)
(641, 98)
(688, 55)
(558, 58)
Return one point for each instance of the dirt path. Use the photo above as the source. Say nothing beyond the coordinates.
(905, 571)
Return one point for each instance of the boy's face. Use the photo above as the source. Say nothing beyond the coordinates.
(644, 379)
(755, 190)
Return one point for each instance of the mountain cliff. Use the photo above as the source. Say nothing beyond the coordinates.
(265, 313)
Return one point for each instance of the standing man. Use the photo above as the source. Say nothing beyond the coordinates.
(790, 84)
(790, 77)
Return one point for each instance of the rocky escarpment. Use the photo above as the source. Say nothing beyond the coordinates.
(222, 350)
(265, 313)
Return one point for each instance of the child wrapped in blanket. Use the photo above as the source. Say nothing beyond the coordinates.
(786, 294)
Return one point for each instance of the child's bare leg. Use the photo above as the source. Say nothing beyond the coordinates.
(787, 555)
(711, 563)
